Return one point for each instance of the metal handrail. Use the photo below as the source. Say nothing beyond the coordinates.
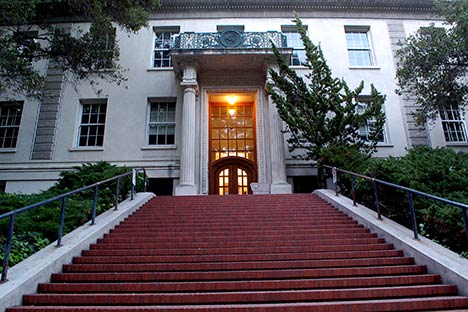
(63, 198)
(410, 192)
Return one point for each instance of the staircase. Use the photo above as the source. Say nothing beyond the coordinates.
(242, 253)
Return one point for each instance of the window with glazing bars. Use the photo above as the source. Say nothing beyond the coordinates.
(163, 43)
(92, 125)
(359, 47)
(367, 127)
(293, 39)
(454, 127)
(161, 126)
(10, 118)
(105, 54)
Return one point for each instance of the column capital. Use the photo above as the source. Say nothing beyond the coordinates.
(189, 78)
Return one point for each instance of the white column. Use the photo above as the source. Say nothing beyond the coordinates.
(187, 184)
(279, 184)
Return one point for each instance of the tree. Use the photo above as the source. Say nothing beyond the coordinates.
(322, 113)
(433, 63)
(31, 30)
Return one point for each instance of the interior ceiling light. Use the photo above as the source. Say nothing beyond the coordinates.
(232, 99)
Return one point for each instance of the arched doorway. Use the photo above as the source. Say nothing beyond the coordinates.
(232, 144)
(232, 175)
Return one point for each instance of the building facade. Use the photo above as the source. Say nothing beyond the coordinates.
(194, 111)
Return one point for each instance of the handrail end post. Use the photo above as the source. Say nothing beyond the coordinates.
(6, 257)
(353, 189)
(95, 200)
(335, 180)
(413, 215)
(62, 221)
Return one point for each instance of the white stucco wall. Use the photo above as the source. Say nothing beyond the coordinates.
(127, 105)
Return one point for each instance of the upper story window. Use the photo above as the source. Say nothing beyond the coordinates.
(27, 44)
(359, 46)
(454, 127)
(221, 28)
(92, 124)
(294, 41)
(10, 118)
(163, 43)
(367, 127)
(105, 52)
(161, 123)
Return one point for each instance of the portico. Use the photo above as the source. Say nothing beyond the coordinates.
(238, 139)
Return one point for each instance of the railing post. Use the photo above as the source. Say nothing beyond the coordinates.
(6, 257)
(62, 221)
(95, 199)
(144, 179)
(117, 194)
(377, 199)
(335, 180)
(132, 191)
(413, 215)
(353, 189)
(465, 218)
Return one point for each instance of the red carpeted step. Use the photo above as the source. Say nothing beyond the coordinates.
(232, 266)
(242, 253)
(400, 304)
(237, 275)
(247, 244)
(285, 284)
(239, 257)
(251, 250)
(241, 296)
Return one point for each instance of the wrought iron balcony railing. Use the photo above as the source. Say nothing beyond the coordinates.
(229, 39)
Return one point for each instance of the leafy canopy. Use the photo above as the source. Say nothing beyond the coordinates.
(433, 63)
(323, 114)
(30, 31)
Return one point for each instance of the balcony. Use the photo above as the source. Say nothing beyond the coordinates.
(229, 39)
(230, 49)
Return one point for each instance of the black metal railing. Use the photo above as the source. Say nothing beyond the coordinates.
(63, 199)
(230, 39)
(410, 192)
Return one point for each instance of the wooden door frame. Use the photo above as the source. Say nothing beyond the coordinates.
(250, 166)
(247, 165)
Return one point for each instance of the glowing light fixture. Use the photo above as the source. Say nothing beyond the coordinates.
(232, 99)
(232, 111)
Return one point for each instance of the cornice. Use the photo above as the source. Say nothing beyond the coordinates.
(334, 5)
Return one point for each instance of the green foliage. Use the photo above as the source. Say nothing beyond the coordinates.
(91, 173)
(23, 245)
(322, 112)
(441, 172)
(36, 228)
(29, 33)
(434, 63)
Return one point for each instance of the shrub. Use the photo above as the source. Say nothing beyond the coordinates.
(441, 172)
(38, 227)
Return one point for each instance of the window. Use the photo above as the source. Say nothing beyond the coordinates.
(105, 43)
(367, 127)
(27, 44)
(294, 41)
(359, 47)
(221, 28)
(163, 43)
(454, 128)
(93, 120)
(10, 117)
(161, 126)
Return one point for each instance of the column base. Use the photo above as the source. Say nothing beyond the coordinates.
(281, 188)
(186, 189)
